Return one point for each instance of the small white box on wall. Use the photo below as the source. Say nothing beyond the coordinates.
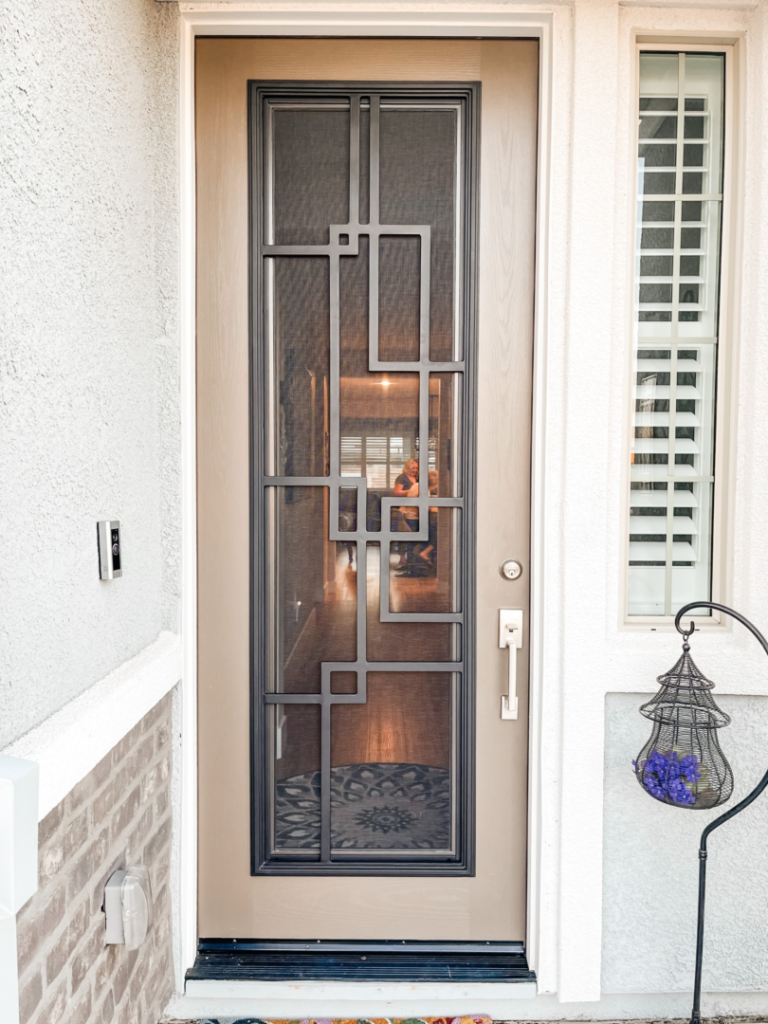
(128, 907)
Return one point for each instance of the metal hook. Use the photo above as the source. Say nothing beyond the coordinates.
(685, 632)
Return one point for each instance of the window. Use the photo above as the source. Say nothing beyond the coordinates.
(363, 228)
(680, 152)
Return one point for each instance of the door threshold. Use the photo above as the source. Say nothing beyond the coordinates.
(302, 960)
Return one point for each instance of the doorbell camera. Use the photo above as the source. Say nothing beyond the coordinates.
(110, 553)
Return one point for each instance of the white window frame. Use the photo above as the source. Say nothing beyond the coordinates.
(728, 337)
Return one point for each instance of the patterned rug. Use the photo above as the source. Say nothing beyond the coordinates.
(373, 807)
(480, 1019)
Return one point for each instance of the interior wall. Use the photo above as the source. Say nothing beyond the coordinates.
(89, 354)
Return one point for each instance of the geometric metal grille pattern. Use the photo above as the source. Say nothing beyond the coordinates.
(344, 241)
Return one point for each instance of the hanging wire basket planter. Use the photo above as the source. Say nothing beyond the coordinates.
(682, 763)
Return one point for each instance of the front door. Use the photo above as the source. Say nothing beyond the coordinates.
(366, 221)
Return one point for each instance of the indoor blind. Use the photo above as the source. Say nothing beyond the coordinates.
(680, 156)
(379, 459)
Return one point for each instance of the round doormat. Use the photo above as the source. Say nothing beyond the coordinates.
(373, 807)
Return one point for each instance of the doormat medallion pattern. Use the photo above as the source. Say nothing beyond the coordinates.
(373, 807)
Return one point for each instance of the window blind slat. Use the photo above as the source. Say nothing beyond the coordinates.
(675, 303)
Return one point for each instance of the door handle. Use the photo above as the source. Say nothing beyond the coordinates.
(511, 637)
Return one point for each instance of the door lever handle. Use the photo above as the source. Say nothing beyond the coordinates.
(511, 637)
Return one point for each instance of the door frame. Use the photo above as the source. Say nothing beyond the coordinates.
(394, 23)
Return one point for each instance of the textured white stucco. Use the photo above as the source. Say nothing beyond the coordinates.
(651, 865)
(88, 342)
(71, 742)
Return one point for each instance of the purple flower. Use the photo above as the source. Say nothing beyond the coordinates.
(665, 776)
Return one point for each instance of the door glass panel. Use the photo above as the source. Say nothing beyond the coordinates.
(419, 172)
(311, 173)
(404, 641)
(315, 588)
(296, 731)
(391, 763)
(300, 326)
(425, 576)
(363, 698)
(399, 305)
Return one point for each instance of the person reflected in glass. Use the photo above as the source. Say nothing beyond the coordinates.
(429, 553)
(347, 520)
(406, 518)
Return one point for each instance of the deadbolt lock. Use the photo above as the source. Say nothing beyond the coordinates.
(511, 569)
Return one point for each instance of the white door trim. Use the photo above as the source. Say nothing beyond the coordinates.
(459, 21)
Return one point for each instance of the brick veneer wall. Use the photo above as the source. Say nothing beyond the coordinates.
(120, 814)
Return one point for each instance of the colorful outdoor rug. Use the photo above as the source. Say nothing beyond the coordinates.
(481, 1019)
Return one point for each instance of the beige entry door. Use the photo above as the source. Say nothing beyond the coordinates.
(366, 221)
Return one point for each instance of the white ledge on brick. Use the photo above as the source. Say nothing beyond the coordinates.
(69, 744)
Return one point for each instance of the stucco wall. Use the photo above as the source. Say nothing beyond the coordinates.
(651, 864)
(88, 342)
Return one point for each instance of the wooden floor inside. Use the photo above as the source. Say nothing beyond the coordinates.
(407, 716)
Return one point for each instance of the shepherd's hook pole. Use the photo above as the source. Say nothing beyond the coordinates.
(696, 1011)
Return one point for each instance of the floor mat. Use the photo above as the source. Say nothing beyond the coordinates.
(373, 807)
(480, 1019)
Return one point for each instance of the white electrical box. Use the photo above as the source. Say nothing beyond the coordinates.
(128, 907)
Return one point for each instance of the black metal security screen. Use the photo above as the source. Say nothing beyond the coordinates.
(363, 308)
